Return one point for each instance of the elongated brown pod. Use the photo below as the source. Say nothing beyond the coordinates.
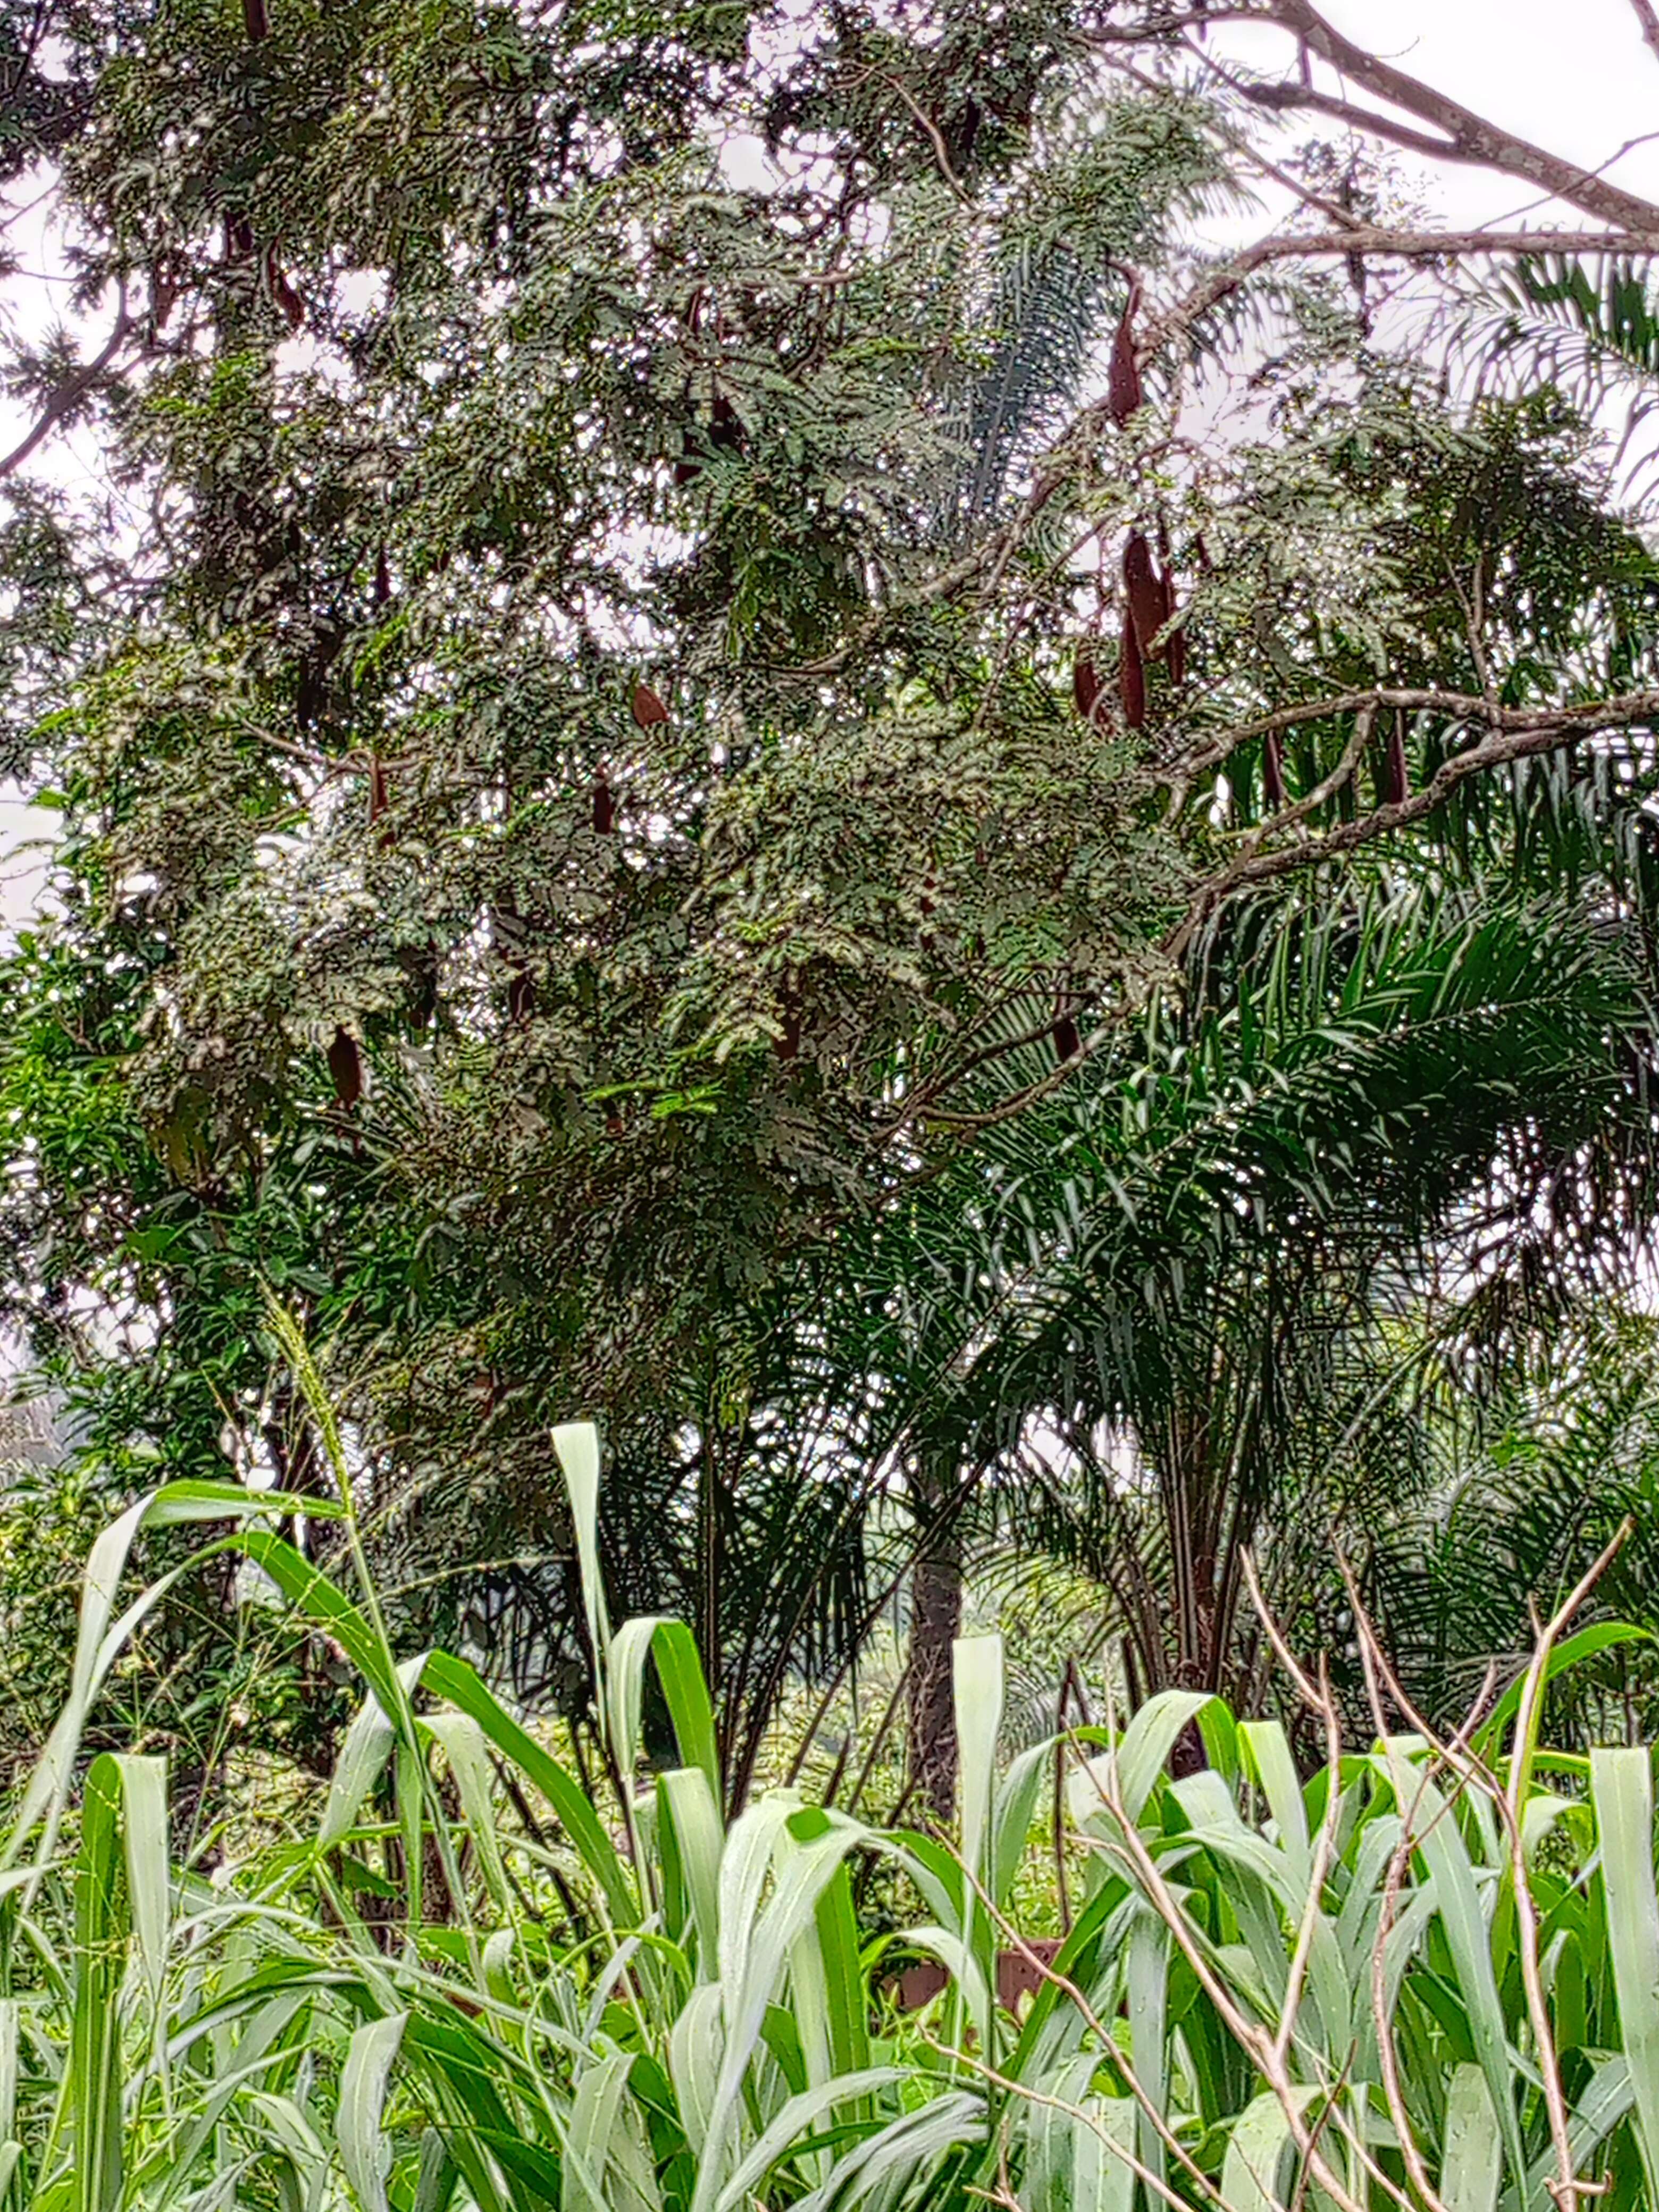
(1132, 676)
(604, 806)
(1124, 394)
(345, 1066)
(1146, 589)
(1273, 772)
(1395, 781)
(647, 708)
(1086, 686)
(1067, 1043)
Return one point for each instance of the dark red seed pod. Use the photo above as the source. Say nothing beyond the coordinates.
(345, 1064)
(1067, 1043)
(293, 307)
(787, 1044)
(1086, 686)
(382, 578)
(1393, 782)
(1146, 594)
(378, 794)
(1124, 395)
(1273, 772)
(1175, 654)
(725, 426)
(604, 806)
(1132, 676)
(520, 997)
(648, 708)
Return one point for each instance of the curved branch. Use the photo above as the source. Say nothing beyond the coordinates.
(71, 392)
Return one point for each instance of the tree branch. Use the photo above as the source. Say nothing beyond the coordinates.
(1521, 733)
(1468, 137)
(1649, 19)
(71, 392)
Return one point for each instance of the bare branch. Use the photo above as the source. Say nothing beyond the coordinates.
(1467, 138)
(71, 392)
(1639, 241)
(1544, 730)
(1648, 18)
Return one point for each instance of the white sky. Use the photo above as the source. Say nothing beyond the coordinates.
(1572, 75)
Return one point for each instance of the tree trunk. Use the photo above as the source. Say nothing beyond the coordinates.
(935, 1624)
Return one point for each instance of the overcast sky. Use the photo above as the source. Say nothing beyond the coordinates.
(1572, 75)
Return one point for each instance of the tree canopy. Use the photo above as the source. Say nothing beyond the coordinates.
(743, 743)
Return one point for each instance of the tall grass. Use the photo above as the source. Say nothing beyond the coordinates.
(1426, 1976)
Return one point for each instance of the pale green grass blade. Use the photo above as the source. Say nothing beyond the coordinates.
(797, 2118)
(459, 1684)
(364, 1753)
(686, 1806)
(148, 1858)
(744, 1866)
(976, 1674)
(577, 1444)
(1268, 1750)
(461, 1740)
(364, 2080)
(7, 2066)
(1621, 1790)
(1471, 2163)
(902, 2152)
(435, 2182)
(696, 2045)
(595, 2118)
(96, 1648)
(1011, 1820)
(670, 1646)
(800, 1877)
(93, 2079)
(1458, 1900)
(1103, 2179)
(1147, 1990)
(685, 1692)
(1258, 2152)
(1134, 1764)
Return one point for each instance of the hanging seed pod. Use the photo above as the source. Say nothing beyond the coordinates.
(1146, 590)
(786, 1044)
(1067, 1043)
(725, 426)
(1086, 686)
(1132, 676)
(345, 1066)
(1124, 395)
(1174, 647)
(382, 578)
(520, 996)
(648, 708)
(604, 806)
(277, 283)
(255, 19)
(1175, 654)
(1273, 772)
(379, 797)
(1395, 780)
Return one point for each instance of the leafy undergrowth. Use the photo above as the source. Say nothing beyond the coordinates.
(1427, 1975)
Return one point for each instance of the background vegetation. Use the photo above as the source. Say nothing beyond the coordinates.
(743, 744)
